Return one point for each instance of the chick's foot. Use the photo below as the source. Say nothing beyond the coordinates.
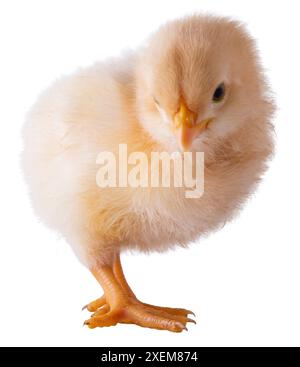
(120, 305)
(131, 311)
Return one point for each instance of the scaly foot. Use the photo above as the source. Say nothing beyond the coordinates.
(131, 311)
(135, 312)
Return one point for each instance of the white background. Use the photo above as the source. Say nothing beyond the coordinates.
(242, 282)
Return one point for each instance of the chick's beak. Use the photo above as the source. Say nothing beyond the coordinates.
(186, 127)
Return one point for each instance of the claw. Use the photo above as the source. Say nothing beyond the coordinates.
(189, 312)
(185, 328)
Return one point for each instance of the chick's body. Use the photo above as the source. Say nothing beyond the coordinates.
(111, 103)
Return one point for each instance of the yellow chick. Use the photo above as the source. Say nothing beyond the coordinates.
(196, 86)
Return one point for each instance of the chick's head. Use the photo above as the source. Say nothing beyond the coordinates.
(198, 79)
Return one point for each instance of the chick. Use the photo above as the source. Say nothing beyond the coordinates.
(197, 85)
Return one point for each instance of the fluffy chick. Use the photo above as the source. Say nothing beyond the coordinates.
(205, 68)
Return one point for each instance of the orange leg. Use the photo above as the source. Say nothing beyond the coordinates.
(120, 305)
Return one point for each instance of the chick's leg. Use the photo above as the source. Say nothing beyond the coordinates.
(120, 278)
(119, 304)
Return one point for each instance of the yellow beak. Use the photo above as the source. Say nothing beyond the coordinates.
(186, 127)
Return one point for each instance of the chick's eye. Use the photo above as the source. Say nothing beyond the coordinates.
(219, 93)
